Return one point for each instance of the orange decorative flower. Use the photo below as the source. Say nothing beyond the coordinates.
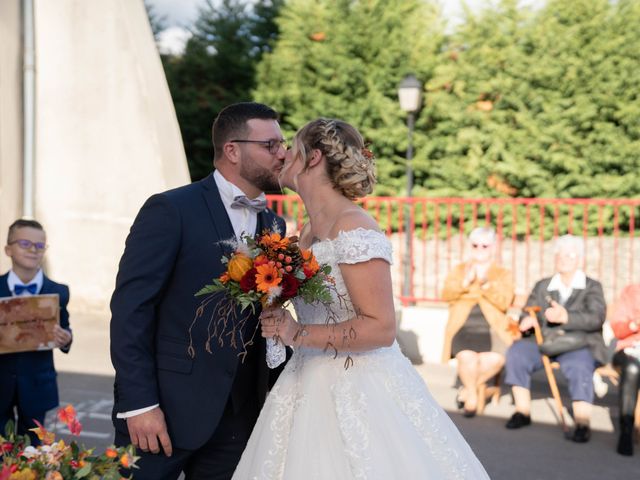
(125, 460)
(224, 278)
(238, 266)
(260, 260)
(310, 266)
(274, 241)
(267, 277)
(111, 453)
(67, 414)
(46, 437)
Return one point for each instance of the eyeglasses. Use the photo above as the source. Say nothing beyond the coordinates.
(27, 244)
(272, 145)
(480, 245)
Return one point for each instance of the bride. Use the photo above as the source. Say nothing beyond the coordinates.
(374, 419)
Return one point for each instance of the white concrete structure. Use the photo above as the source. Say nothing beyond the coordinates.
(107, 136)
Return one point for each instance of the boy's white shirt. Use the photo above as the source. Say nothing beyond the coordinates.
(13, 280)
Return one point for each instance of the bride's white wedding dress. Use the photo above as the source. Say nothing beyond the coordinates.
(374, 420)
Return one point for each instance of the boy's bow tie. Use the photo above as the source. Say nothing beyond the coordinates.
(32, 288)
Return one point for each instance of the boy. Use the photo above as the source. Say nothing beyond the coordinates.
(28, 379)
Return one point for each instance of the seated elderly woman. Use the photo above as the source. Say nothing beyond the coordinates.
(572, 311)
(625, 323)
(479, 293)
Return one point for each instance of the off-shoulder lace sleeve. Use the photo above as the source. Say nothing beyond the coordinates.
(361, 245)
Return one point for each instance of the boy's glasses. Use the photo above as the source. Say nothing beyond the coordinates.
(27, 244)
(272, 145)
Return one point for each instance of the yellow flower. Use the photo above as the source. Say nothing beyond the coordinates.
(238, 266)
(267, 277)
(24, 474)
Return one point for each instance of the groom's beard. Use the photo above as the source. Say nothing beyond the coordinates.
(266, 180)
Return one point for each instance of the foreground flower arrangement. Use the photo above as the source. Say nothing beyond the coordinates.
(269, 269)
(55, 460)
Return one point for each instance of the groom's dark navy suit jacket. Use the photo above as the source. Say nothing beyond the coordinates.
(174, 249)
(31, 376)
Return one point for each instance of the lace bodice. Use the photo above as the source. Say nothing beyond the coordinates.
(350, 247)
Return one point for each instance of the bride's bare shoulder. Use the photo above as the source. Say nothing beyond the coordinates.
(353, 219)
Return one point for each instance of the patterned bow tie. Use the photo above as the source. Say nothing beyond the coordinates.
(32, 288)
(241, 201)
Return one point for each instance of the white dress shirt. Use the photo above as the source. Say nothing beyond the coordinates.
(578, 282)
(13, 280)
(243, 220)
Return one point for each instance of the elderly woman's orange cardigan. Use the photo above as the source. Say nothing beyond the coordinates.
(493, 297)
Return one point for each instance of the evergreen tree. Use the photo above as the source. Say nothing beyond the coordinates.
(345, 59)
(537, 104)
(216, 69)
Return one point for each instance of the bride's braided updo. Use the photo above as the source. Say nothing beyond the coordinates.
(350, 165)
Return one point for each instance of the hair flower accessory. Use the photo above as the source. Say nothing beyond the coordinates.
(368, 154)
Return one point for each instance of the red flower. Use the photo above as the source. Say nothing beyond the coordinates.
(67, 414)
(75, 427)
(248, 281)
(6, 447)
(74, 464)
(289, 286)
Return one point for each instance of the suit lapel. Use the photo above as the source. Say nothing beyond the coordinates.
(47, 286)
(4, 286)
(217, 212)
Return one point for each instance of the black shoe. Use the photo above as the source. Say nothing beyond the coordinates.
(518, 420)
(469, 413)
(625, 440)
(581, 434)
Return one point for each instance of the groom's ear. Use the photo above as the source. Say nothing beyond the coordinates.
(232, 152)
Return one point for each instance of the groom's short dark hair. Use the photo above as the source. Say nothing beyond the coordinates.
(232, 122)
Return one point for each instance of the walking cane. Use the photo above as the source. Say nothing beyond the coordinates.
(551, 378)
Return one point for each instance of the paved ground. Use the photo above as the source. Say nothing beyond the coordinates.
(536, 452)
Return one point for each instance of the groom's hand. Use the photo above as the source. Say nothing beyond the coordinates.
(147, 429)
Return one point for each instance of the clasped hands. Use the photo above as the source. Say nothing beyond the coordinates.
(278, 322)
(556, 313)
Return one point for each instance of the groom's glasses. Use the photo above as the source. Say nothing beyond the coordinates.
(272, 145)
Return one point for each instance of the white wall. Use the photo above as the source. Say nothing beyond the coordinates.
(107, 137)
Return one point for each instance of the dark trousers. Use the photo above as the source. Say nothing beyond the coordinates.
(215, 460)
(23, 421)
(629, 381)
(523, 359)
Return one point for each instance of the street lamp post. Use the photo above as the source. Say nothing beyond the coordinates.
(410, 96)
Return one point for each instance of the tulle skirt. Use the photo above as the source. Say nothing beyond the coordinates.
(373, 420)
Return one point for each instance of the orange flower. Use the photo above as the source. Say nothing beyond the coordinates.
(274, 241)
(224, 278)
(111, 453)
(45, 436)
(74, 426)
(310, 266)
(267, 277)
(260, 260)
(125, 460)
(54, 476)
(238, 266)
(67, 414)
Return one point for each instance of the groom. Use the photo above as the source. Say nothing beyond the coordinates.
(192, 414)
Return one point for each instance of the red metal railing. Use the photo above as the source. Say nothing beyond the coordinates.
(526, 228)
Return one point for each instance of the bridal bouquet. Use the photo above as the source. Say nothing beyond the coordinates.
(55, 460)
(269, 269)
